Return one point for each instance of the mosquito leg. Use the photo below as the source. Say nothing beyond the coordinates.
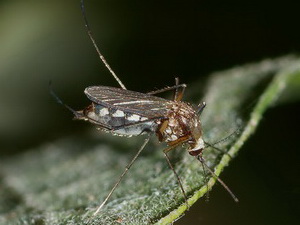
(201, 160)
(96, 47)
(176, 90)
(179, 92)
(167, 89)
(77, 114)
(123, 174)
(177, 176)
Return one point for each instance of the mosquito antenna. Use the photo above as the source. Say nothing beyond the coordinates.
(201, 160)
(59, 101)
(216, 148)
(123, 174)
(223, 139)
(236, 132)
(96, 47)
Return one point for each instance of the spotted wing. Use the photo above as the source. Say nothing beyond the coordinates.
(128, 101)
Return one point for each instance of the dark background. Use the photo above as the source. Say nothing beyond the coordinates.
(148, 43)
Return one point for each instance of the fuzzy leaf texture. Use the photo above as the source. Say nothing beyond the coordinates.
(64, 181)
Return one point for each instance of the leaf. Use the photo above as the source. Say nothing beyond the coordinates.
(64, 181)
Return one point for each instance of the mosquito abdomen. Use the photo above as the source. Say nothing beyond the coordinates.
(118, 121)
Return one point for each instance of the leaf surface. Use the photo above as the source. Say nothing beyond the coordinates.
(64, 181)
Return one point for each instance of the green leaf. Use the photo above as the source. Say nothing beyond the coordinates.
(63, 182)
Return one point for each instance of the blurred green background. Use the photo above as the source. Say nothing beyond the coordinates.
(148, 43)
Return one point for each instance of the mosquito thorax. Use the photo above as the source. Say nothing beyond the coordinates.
(183, 123)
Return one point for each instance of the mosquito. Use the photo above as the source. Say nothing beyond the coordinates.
(129, 113)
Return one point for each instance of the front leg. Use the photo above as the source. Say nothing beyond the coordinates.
(166, 150)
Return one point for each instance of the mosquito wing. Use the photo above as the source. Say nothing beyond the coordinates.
(128, 101)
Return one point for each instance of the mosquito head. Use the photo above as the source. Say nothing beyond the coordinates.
(196, 143)
(196, 147)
